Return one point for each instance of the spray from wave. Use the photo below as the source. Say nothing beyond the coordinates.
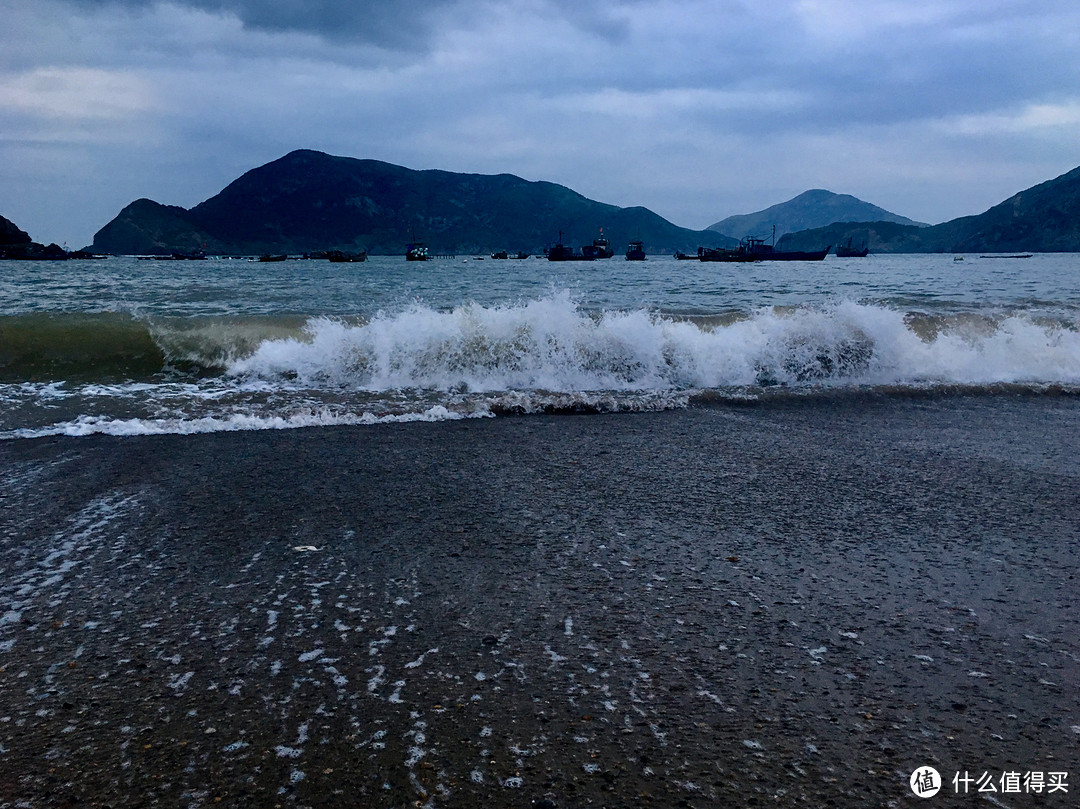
(551, 345)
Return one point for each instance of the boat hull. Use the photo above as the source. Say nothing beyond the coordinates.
(341, 257)
(793, 255)
(722, 254)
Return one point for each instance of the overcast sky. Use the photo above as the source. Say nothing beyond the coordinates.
(696, 110)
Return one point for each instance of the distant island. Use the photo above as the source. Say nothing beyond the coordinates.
(1042, 219)
(309, 202)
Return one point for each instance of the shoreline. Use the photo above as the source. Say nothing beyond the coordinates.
(783, 603)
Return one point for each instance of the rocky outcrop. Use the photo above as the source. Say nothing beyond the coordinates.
(10, 235)
(17, 244)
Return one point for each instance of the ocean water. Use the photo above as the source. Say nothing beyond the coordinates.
(126, 346)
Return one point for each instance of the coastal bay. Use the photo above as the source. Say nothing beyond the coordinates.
(790, 602)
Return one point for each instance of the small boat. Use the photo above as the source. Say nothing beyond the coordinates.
(752, 249)
(416, 252)
(767, 252)
(636, 251)
(560, 252)
(598, 249)
(267, 257)
(340, 256)
(500, 254)
(847, 251)
(685, 256)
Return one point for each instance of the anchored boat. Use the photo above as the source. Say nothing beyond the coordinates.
(847, 251)
(598, 249)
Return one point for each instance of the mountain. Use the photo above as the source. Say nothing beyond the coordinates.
(880, 237)
(1042, 219)
(11, 235)
(147, 227)
(308, 201)
(811, 209)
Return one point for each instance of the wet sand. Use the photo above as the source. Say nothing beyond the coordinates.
(789, 604)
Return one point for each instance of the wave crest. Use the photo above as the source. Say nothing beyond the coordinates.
(550, 344)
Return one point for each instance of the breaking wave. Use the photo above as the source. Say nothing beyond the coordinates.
(119, 374)
(550, 345)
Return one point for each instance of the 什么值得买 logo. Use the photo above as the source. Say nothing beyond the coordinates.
(925, 782)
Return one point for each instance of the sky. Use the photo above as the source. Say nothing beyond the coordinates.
(695, 109)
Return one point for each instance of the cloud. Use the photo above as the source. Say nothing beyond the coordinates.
(695, 108)
(410, 25)
(402, 22)
(75, 94)
(1033, 118)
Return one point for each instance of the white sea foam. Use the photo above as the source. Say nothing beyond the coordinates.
(550, 344)
(232, 422)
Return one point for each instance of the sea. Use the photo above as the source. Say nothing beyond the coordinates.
(129, 346)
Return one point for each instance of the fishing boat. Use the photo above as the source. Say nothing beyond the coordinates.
(561, 252)
(598, 249)
(636, 251)
(416, 251)
(768, 252)
(268, 257)
(847, 251)
(725, 254)
(340, 256)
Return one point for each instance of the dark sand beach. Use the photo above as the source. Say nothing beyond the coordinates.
(794, 603)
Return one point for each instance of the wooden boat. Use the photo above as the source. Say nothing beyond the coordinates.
(416, 252)
(340, 256)
(767, 252)
(636, 251)
(598, 249)
(724, 254)
(561, 252)
(847, 251)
